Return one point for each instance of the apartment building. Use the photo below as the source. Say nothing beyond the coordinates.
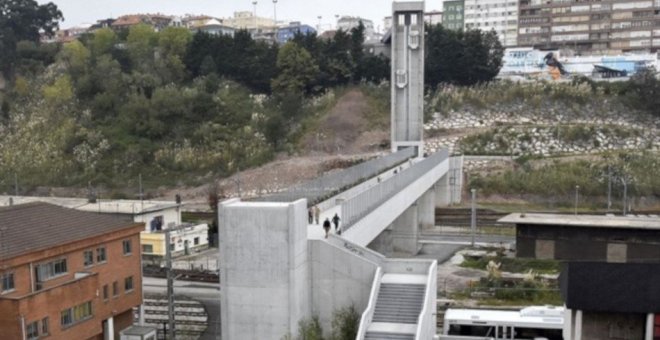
(453, 14)
(498, 15)
(67, 274)
(591, 26)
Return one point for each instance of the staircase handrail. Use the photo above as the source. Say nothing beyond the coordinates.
(368, 313)
(424, 322)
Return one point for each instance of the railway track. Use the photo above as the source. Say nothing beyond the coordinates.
(191, 319)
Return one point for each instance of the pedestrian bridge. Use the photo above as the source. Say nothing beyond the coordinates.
(273, 259)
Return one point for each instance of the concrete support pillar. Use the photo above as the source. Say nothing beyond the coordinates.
(405, 231)
(383, 243)
(442, 192)
(109, 329)
(426, 210)
(141, 315)
(578, 326)
(567, 331)
(264, 272)
(648, 334)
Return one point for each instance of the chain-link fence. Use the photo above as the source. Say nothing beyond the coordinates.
(324, 187)
(363, 203)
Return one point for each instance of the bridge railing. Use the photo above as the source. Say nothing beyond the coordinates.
(326, 186)
(360, 205)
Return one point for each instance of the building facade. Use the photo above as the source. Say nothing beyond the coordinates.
(247, 20)
(601, 27)
(67, 274)
(586, 237)
(498, 15)
(610, 300)
(453, 14)
(286, 33)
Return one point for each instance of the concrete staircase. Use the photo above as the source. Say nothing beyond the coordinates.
(398, 306)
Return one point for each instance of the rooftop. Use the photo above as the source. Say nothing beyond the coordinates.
(132, 207)
(30, 227)
(651, 222)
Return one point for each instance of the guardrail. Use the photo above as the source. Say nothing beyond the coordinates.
(425, 324)
(326, 186)
(363, 203)
(368, 313)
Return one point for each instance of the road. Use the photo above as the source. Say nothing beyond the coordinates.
(206, 293)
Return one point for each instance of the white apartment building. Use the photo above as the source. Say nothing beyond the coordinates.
(498, 15)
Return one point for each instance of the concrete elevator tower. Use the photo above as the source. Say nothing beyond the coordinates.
(408, 75)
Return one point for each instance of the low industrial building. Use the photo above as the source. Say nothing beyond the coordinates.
(586, 237)
(67, 274)
(611, 300)
(156, 216)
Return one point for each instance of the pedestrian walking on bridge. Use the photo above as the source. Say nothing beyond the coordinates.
(335, 220)
(317, 213)
(326, 226)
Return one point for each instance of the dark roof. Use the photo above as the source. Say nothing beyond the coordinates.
(588, 221)
(611, 287)
(35, 226)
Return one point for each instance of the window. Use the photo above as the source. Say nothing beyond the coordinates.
(105, 292)
(115, 288)
(76, 314)
(126, 244)
(128, 284)
(100, 255)
(7, 282)
(50, 270)
(32, 330)
(44, 326)
(147, 248)
(196, 241)
(88, 255)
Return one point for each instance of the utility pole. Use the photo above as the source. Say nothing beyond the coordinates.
(473, 222)
(625, 195)
(15, 184)
(141, 194)
(170, 285)
(577, 190)
(609, 188)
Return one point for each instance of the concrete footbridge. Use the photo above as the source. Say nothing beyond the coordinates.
(273, 259)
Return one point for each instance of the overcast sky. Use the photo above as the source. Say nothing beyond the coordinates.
(77, 12)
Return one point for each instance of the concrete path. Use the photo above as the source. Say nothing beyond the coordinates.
(316, 232)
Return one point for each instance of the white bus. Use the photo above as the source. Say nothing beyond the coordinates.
(542, 322)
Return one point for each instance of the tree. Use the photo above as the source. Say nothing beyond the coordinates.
(23, 20)
(60, 92)
(461, 57)
(76, 56)
(296, 69)
(644, 91)
(103, 41)
(357, 50)
(140, 42)
(174, 41)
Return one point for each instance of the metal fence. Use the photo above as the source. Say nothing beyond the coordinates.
(358, 206)
(324, 187)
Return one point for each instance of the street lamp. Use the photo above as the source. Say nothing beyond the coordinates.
(254, 3)
(275, 12)
(319, 27)
(473, 220)
(577, 189)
